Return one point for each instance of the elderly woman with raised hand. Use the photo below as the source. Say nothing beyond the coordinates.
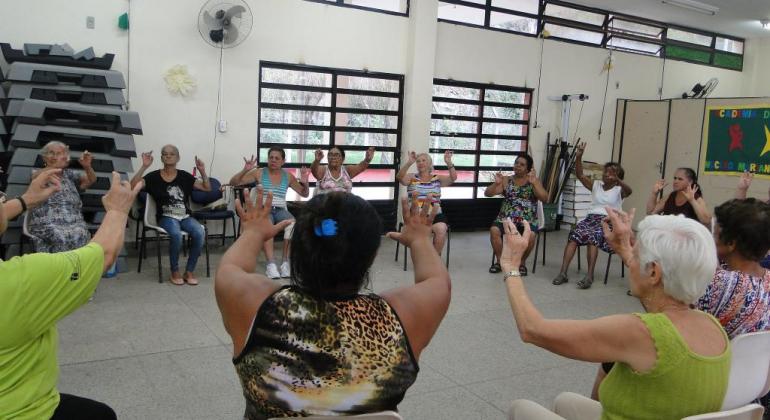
(171, 189)
(38, 290)
(739, 295)
(670, 362)
(318, 346)
(426, 187)
(521, 192)
(686, 197)
(336, 176)
(740, 193)
(58, 225)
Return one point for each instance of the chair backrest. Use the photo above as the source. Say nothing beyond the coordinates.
(381, 415)
(747, 412)
(150, 214)
(25, 226)
(749, 369)
(540, 216)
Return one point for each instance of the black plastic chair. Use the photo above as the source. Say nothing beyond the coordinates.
(448, 243)
(204, 198)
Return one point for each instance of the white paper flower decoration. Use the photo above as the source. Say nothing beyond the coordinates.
(179, 81)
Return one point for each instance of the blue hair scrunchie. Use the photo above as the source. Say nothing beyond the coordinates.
(328, 227)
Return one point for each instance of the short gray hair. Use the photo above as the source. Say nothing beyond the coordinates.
(685, 251)
(46, 150)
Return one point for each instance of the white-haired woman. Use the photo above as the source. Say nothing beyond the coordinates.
(58, 225)
(426, 186)
(668, 363)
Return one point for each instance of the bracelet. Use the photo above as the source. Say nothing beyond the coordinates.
(512, 273)
(23, 204)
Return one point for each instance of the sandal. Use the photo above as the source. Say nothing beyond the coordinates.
(523, 270)
(177, 281)
(192, 281)
(585, 283)
(628, 292)
(560, 279)
(495, 268)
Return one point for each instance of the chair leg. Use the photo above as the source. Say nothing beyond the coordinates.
(206, 246)
(142, 250)
(398, 244)
(607, 270)
(545, 237)
(578, 252)
(622, 269)
(235, 232)
(537, 248)
(448, 243)
(406, 252)
(160, 269)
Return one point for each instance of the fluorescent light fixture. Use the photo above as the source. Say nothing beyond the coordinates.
(694, 6)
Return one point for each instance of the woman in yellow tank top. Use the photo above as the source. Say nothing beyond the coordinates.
(670, 362)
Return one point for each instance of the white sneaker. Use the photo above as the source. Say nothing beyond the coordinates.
(285, 270)
(272, 271)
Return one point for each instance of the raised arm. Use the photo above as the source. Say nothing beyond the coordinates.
(239, 290)
(654, 205)
(146, 163)
(354, 170)
(448, 180)
(247, 175)
(117, 203)
(402, 176)
(540, 191)
(698, 204)
(202, 184)
(301, 186)
(315, 168)
(47, 182)
(89, 176)
(496, 187)
(422, 306)
(586, 181)
(743, 185)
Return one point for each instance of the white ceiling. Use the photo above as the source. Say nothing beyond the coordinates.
(735, 17)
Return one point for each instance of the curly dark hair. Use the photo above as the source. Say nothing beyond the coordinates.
(746, 223)
(618, 169)
(528, 158)
(334, 266)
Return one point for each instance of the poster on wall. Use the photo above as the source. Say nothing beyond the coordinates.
(737, 140)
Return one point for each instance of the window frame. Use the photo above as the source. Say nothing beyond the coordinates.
(605, 29)
(341, 3)
(333, 110)
(478, 136)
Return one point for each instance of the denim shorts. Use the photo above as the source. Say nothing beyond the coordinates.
(279, 214)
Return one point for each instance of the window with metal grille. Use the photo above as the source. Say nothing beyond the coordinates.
(394, 7)
(304, 108)
(487, 127)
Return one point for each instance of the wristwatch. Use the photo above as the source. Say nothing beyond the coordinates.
(512, 273)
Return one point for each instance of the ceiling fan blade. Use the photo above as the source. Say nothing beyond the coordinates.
(211, 21)
(231, 34)
(234, 11)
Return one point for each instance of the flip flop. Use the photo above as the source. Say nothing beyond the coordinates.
(192, 281)
(178, 282)
(523, 270)
(495, 268)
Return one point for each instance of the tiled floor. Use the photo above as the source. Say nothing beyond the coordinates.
(159, 351)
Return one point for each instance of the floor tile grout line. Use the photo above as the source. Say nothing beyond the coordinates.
(141, 355)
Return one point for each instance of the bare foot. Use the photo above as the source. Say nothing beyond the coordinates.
(176, 278)
(190, 278)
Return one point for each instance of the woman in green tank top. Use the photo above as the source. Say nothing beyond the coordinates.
(670, 362)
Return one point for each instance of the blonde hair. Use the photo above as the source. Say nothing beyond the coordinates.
(430, 160)
(46, 150)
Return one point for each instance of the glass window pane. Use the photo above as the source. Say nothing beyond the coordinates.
(453, 143)
(273, 135)
(372, 175)
(453, 126)
(526, 6)
(506, 112)
(366, 120)
(389, 5)
(519, 98)
(296, 77)
(503, 144)
(367, 83)
(513, 23)
(633, 28)
(462, 14)
(455, 92)
(574, 14)
(627, 44)
(292, 155)
(730, 61)
(497, 160)
(730, 45)
(462, 176)
(367, 102)
(449, 108)
(373, 193)
(365, 139)
(574, 33)
(504, 129)
(690, 37)
(290, 116)
(453, 193)
(488, 177)
(690, 54)
(459, 159)
(296, 97)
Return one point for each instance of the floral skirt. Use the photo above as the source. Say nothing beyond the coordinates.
(589, 232)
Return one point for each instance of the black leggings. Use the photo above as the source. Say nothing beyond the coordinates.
(79, 408)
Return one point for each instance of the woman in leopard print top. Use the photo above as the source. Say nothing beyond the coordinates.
(318, 346)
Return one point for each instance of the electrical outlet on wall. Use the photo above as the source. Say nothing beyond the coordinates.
(90, 22)
(222, 126)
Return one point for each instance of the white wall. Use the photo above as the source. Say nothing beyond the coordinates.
(164, 33)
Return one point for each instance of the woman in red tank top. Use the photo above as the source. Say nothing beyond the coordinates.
(686, 197)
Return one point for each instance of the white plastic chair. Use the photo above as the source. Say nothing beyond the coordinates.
(151, 225)
(26, 233)
(747, 412)
(381, 415)
(749, 369)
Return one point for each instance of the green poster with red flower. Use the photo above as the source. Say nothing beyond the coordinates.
(737, 140)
